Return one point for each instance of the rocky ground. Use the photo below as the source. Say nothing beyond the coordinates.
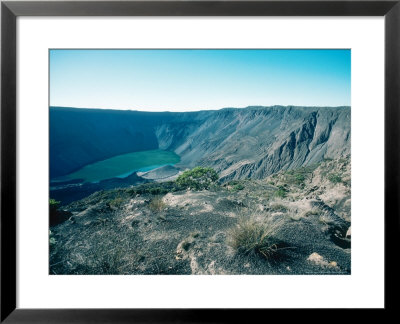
(301, 217)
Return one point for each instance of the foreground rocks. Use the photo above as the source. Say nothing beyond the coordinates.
(193, 232)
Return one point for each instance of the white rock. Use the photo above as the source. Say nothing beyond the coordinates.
(317, 259)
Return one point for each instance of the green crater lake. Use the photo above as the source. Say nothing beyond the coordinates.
(123, 165)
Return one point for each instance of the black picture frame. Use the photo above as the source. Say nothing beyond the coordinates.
(10, 10)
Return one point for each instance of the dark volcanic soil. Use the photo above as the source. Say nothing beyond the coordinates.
(192, 232)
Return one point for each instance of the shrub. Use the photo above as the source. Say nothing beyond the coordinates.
(281, 192)
(296, 178)
(155, 191)
(153, 188)
(53, 207)
(157, 204)
(334, 178)
(237, 187)
(54, 204)
(197, 178)
(116, 202)
(252, 237)
(57, 215)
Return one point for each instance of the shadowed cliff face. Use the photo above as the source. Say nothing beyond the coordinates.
(253, 142)
(82, 136)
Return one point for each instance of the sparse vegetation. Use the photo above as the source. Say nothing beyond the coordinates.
(235, 186)
(278, 208)
(52, 240)
(158, 191)
(56, 215)
(165, 229)
(107, 261)
(281, 192)
(335, 178)
(252, 237)
(116, 202)
(198, 178)
(157, 204)
(54, 204)
(296, 178)
(154, 188)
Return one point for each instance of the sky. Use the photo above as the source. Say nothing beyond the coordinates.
(190, 80)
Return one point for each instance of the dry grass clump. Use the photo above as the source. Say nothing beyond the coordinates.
(254, 237)
(157, 204)
(116, 202)
(278, 208)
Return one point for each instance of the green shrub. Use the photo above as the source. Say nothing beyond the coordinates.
(198, 178)
(298, 176)
(237, 187)
(53, 207)
(54, 204)
(155, 191)
(154, 188)
(334, 178)
(295, 178)
(252, 237)
(281, 192)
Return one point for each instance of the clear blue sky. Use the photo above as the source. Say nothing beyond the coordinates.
(182, 80)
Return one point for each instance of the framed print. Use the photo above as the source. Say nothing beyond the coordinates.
(175, 160)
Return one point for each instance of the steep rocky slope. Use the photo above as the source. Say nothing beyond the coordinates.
(253, 142)
(258, 141)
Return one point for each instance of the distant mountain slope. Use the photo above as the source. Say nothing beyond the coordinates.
(258, 141)
(239, 143)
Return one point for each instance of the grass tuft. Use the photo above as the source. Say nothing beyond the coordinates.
(116, 202)
(278, 208)
(157, 204)
(253, 237)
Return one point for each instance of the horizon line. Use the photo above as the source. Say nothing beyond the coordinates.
(185, 111)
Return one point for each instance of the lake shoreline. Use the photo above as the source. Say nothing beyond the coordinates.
(121, 166)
